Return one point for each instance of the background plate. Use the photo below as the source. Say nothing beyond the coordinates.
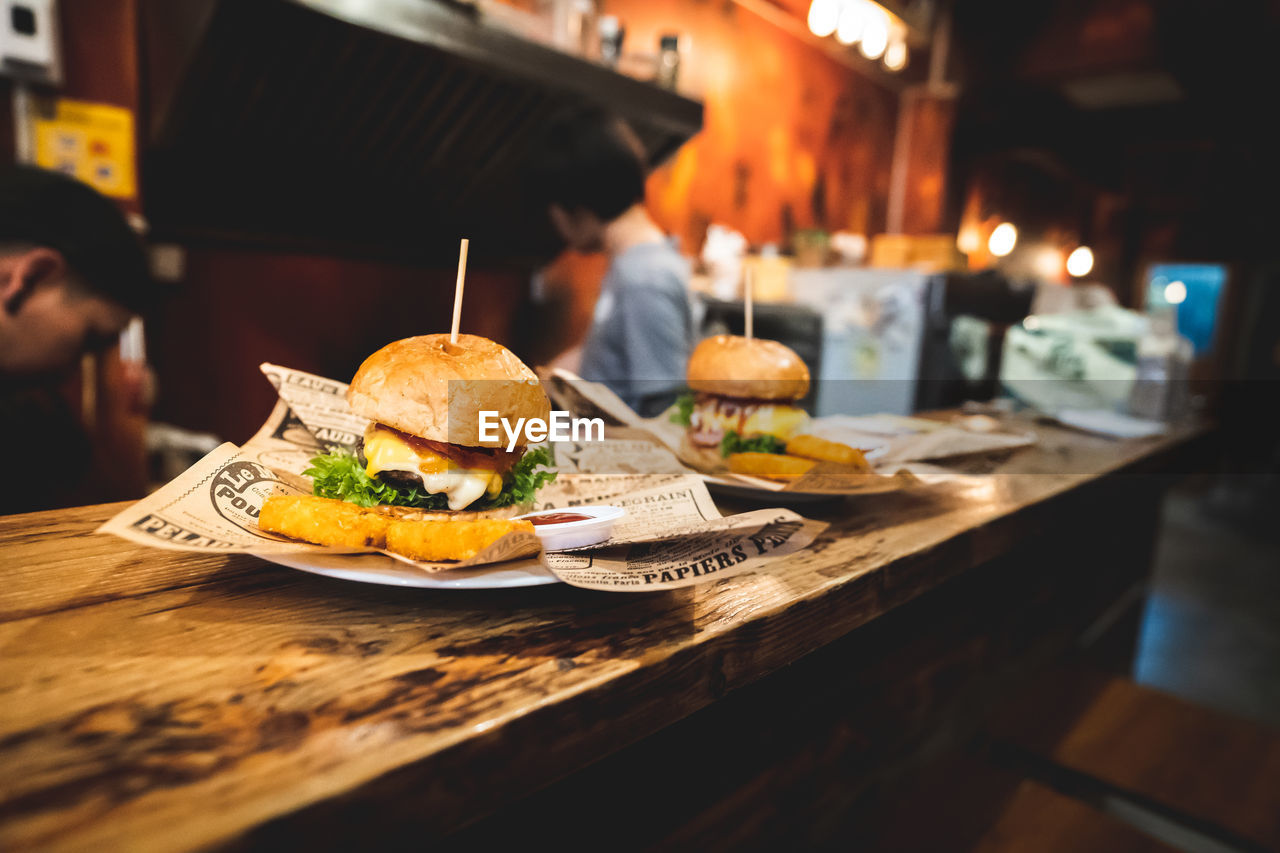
(742, 491)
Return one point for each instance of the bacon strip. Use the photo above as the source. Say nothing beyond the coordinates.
(489, 458)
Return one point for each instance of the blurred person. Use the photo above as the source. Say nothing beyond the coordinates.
(72, 275)
(588, 173)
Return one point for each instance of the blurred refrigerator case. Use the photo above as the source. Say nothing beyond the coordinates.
(873, 324)
(966, 317)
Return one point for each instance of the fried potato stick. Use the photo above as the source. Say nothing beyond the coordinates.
(448, 540)
(774, 466)
(812, 447)
(338, 524)
(324, 521)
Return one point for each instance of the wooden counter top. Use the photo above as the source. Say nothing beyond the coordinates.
(159, 700)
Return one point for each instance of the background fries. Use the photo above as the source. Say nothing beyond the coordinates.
(774, 466)
(812, 447)
(803, 452)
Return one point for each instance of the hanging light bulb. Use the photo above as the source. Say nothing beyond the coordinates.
(1080, 261)
(895, 55)
(824, 15)
(875, 34)
(853, 20)
(1003, 239)
(1175, 293)
(1048, 263)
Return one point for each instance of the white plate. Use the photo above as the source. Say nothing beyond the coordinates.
(593, 530)
(381, 569)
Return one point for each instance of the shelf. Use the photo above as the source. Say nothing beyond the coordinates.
(385, 126)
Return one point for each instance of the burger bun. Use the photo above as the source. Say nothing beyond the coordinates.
(734, 366)
(431, 388)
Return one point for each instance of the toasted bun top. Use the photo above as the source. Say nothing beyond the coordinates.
(436, 390)
(734, 366)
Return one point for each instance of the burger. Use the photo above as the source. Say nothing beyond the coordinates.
(424, 447)
(742, 398)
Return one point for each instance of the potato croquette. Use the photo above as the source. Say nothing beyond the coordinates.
(771, 465)
(451, 540)
(338, 524)
(324, 521)
(812, 447)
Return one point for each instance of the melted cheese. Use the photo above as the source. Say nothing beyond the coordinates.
(714, 417)
(782, 421)
(385, 451)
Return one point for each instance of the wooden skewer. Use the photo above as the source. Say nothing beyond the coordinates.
(747, 297)
(457, 290)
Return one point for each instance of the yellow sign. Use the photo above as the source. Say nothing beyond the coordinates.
(93, 142)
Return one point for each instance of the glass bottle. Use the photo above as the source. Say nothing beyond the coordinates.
(1160, 389)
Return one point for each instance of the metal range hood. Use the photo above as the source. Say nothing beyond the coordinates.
(387, 127)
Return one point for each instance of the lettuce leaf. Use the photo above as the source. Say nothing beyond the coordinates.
(684, 409)
(524, 480)
(734, 443)
(340, 475)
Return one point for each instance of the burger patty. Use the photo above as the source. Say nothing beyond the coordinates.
(400, 479)
(463, 474)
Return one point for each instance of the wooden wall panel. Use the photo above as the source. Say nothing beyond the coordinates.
(929, 122)
(791, 138)
(236, 309)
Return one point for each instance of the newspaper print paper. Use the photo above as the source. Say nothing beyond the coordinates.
(891, 441)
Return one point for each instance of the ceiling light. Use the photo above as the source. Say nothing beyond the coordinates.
(1048, 263)
(823, 17)
(895, 56)
(1080, 261)
(875, 34)
(1003, 239)
(853, 21)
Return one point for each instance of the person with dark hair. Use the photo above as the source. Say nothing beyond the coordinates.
(72, 272)
(588, 173)
(72, 275)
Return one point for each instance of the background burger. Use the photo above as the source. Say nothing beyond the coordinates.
(743, 394)
(422, 448)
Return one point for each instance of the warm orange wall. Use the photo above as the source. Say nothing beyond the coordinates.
(927, 149)
(786, 127)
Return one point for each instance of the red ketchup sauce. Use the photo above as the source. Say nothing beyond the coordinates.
(558, 518)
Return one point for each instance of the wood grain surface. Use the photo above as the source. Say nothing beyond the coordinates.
(164, 701)
(1037, 818)
(1216, 770)
(978, 806)
(816, 755)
